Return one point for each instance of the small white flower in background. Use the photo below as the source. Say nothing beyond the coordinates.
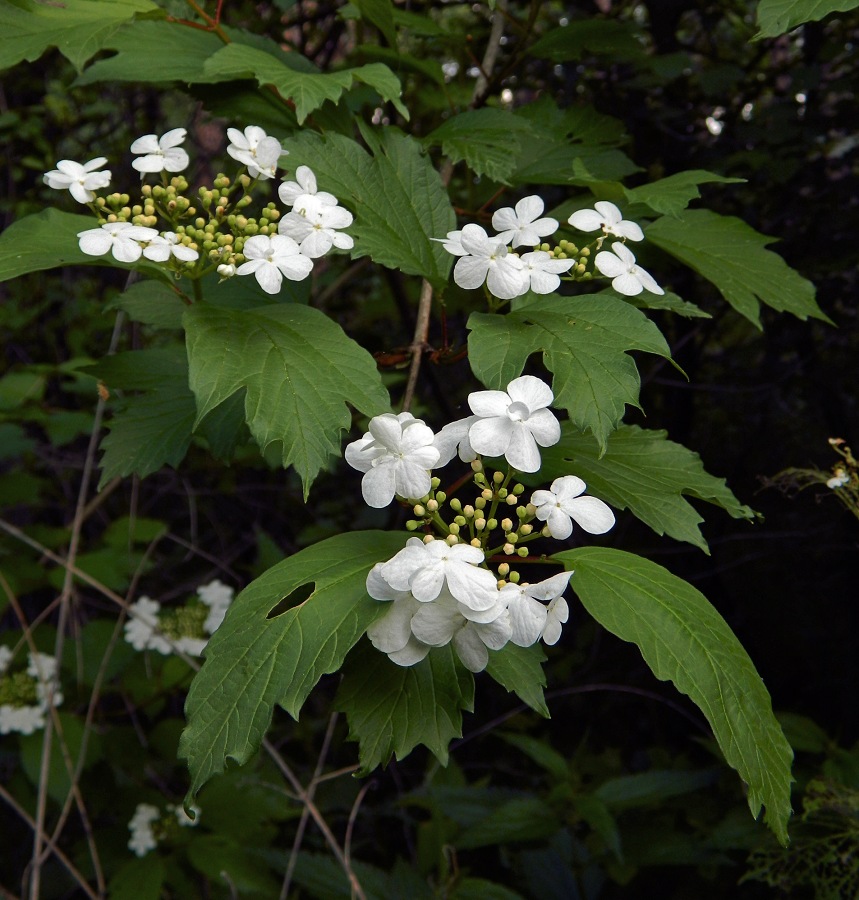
(272, 258)
(142, 627)
(520, 226)
(452, 243)
(627, 277)
(80, 180)
(838, 480)
(557, 613)
(392, 632)
(122, 239)
(160, 154)
(395, 456)
(305, 183)
(562, 504)
(218, 597)
(606, 216)
(184, 820)
(162, 246)
(255, 149)
(143, 838)
(24, 700)
(314, 223)
(513, 423)
(543, 270)
(526, 604)
(489, 260)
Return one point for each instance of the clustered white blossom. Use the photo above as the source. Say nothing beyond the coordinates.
(440, 588)
(25, 694)
(310, 229)
(494, 260)
(149, 825)
(184, 629)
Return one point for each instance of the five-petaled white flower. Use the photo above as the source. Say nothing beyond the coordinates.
(488, 260)
(121, 238)
(80, 180)
(272, 258)
(543, 270)
(513, 422)
(160, 154)
(395, 456)
(627, 277)
(526, 604)
(313, 223)
(255, 149)
(162, 246)
(305, 183)
(520, 226)
(606, 216)
(453, 439)
(562, 504)
(143, 838)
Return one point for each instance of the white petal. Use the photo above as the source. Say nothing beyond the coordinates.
(450, 437)
(269, 278)
(533, 392)
(378, 486)
(435, 623)
(609, 265)
(507, 278)
(560, 524)
(426, 583)
(173, 138)
(126, 250)
(146, 144)
(392, 631)
(489, 403)
(544, 282)
(94, 164)
(470, 649)
(609, 212)
(415, 436)
(647, 281)
(629, 230)
(592, 514)
(470, 271)
(411, 654)
(567, 487)
(549, 588)
(94, 242)
(176, 160)
(527, 619)
(359, 454)
(412, 480)
(627, 284)
(586, 220)
(522, 452)
(545, 427)
(80, 193)
(491, 437)
(474, 239)
(623, 253)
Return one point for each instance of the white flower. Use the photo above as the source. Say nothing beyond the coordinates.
(489, 260)
(838, 480)
(121, 238)
(23, 719)
(452, 243)
(184, 820)
(270, 258)
(521, 226)
(226, 270)
(395, 457)
(163, 245)
(290, 191)
(607, 216)
(217, 596)
(513, 423)
(142, 628)
(142, 835)
(627, 277)
(392, 633)
(160, 154)
(255, 149)
(313, 222)
(526, 605)
(425, 569)
(5, 658)
(453, 438)
(543, 270)
(42, 668)
(562, 504)
(556, 614)
(81, 180)
(439, 623)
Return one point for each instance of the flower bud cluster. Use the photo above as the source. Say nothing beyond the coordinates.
(25, 693)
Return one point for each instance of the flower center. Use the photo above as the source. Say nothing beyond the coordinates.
(518, 411)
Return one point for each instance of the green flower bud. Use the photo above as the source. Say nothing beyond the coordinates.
(451, 540)
(511, 499)
(468, 511)
(498, 477)
(515, 576)
(440, 496)
(420, 510)
(513, 538)
(480, 503)
(455, 504)
(477, 465)
(435, 482)
(518, 489)
(492, 524)
(479, 524)
(586, 252)
(525, 530)
(580, 269)
(522, 551)
(412, 525)
(461, 521)
(503, 569)
(453, 528)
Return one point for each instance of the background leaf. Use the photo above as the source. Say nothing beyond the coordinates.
(684, 640)
(670, 196)
(775, 17)
(520, 671)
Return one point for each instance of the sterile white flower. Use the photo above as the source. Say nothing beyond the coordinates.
(272, 258)
(452, 243)
(142, 835)
(838, 480)
(425, 569)
(141, 628)
(218, 597)
(305, 183)
(557, 613)
(489, 260)
(520, 226)
(562, 504)
(42, 668)
(184, 820)
(122, 239)
(160, 154)
(395, 457)
(255, 149)
(526, 605)
(162, 246)
(392, 633)
(80, 180)
(606, 216)
(445, 621)
(23, 719)
(513, 423)
(453, 439)
(543, 270)
(313, 223)
(627, 277)
(42, 673)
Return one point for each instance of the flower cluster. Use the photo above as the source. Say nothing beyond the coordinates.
(440, 588)
(25, 694)
(183, 629)
(211, 232)
(493, 260)
(149, 825)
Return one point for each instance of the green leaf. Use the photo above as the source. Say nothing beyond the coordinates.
(381, 14)
(481, 889)
(731, 254)
(43, 241)
(397, 197)
(299, 370)
(256, 659)
(151, 303)
(391, 709)
(584, 38)
(140, 879)
(684, 640)
(652, 788)
(519, 670)
(244, 869)
(644, 472)
(584, 341)
(668, 301)
(775, 17)
(488, 140)
(77, 28)
(59, 780)
(670, 196)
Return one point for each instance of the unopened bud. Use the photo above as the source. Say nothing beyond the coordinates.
(511, 500)
(453, 528)
(522, 551)
(480, 503)
(412, 525)
(226, 271)
(545, 531)
(432, 505)
(456, 505)
(420, 510)
(498, 477)
(435, 481)
(518, 489)
(468, 511)
(487, 494)
(515, 576)
(475, 542)
(531, 509)
(503, 569)
(428, 538)
(525, 530)
(461, 521)
(479, 524)
(509, 549)
(440, 496)
(477, 465)
(492, 524)
(452, 540)
(502, 493)
(506, 524)
(586, 252)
